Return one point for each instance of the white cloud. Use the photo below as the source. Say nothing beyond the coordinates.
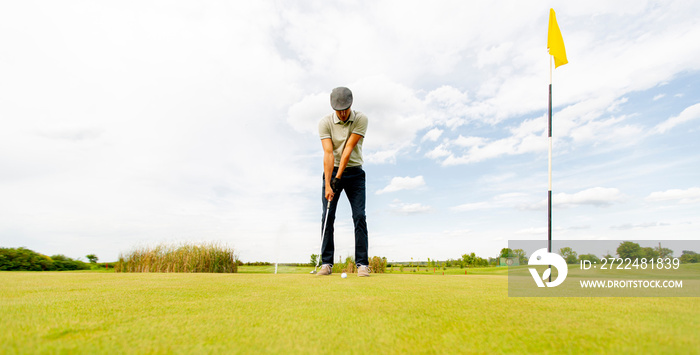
(532, 231)
(639, 226)
(469, 141)
(438, 152)
(382, 156)
(305, 114)
(542, 231)
(409, 208)
(458, 233)
(496, 148)
(689, 114)
(596, 196)
(505, 200)
(687, 196)
(403, 183)
(447, 106)
(474, 206)
(432, 135)
(608, 130)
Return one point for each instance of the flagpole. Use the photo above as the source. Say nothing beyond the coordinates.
(549, 194)
(555, 46)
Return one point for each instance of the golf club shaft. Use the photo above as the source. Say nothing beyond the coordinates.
(323, 234)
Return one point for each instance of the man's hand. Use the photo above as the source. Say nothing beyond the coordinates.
(329, 192)
(335, 185)
(332, 188)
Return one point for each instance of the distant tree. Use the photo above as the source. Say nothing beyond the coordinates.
(664, 252)
(590, 257)
(629, 250)
(690, 257)
(648, 253)
(314, 258)
(92, 258)
(62, 262)
(569, 255)
(22, 259)
(467, 259)
(520, 254)
(506, 253)
(471, 260)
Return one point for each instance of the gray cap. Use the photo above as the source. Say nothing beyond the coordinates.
(341, 98)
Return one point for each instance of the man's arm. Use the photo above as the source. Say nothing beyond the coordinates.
(328, 160)
(345, 157)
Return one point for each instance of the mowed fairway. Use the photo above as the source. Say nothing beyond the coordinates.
(98, 312)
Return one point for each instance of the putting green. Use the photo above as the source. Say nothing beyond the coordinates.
(98, 312)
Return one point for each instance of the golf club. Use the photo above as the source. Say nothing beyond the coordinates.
(325, 223)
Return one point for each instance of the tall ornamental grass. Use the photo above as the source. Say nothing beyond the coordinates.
(377, 264)
(206, 257)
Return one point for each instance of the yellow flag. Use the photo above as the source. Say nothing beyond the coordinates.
(555, 43)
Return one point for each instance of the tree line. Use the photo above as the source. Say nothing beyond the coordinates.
(632, 251)
(625, 250)
(22, 259)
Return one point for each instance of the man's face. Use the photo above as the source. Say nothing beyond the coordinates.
(343, 115)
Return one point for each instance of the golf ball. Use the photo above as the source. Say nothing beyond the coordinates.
(344, 275)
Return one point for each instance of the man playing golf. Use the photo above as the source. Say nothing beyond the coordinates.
(342, 134)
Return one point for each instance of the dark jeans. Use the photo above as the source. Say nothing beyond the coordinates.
(353, 183)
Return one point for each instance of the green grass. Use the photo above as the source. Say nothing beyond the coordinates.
(98, 312)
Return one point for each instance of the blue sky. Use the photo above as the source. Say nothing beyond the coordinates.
(135, 123)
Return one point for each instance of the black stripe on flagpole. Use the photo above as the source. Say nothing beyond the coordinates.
(550, 110)
(549, 200)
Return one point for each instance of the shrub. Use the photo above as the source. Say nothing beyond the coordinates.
(690, 257)
(590, 257)
(377, 264)
(347, 266)
(22, 259)
(207, 257)
(350, 266)
(64, 263)
(314, 259)
(257, 263)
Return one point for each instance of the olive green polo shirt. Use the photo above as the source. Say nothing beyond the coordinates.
(338, 131)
